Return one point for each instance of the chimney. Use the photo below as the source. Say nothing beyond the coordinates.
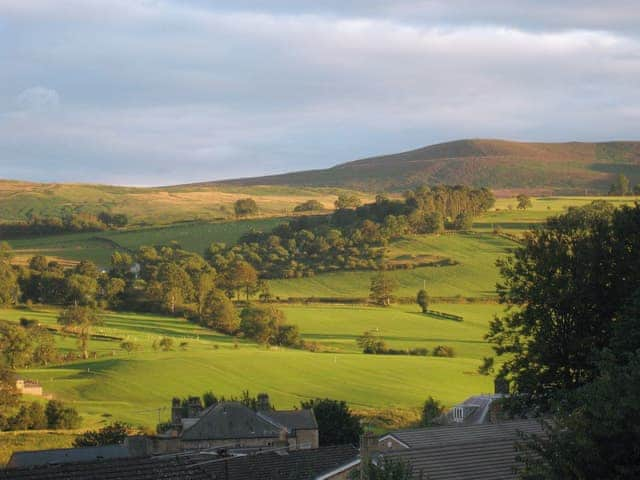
(194, 407)
(176, 411)
(368, 446)
(263, 402)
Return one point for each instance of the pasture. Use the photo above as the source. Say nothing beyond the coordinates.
(132, 387)
(472, 272)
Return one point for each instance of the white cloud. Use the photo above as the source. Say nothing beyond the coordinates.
(178, 91)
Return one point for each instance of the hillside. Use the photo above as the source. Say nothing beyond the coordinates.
(498, 164)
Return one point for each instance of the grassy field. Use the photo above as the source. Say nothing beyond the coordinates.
(132, 387)
(473, 275)
(153, 206)
(98, 246)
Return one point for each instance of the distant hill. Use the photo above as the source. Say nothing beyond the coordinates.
(559, 167)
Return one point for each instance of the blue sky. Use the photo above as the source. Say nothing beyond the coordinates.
(150, 92)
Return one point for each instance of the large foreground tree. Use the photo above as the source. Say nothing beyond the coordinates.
(568, 283)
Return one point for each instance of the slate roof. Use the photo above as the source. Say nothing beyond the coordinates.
(456, 435)
(295, 465)
(230, 420)
(66, 455)
(293, 420)
(475, 452)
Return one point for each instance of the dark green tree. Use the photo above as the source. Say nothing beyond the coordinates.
(384, 469)
(431, 411)
(621, 186)
(524, 201)
(337, 425)
(422, 299)
(219, 313)
(245, 207)
(109, 435)
(59, 416)
(568, 280)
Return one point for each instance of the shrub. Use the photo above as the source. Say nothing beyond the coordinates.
(443, 351)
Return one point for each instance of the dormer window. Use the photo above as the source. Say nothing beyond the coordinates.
(458, 414)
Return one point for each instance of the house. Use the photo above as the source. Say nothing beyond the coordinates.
(474, 410)
(484, 451)
(234, 425)
(325, 463)
(29, 387)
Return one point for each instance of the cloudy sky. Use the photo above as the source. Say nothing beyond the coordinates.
(150, 92)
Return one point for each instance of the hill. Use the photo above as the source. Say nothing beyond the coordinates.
(557, 167)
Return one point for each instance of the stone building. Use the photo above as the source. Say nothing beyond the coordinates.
(234, 425)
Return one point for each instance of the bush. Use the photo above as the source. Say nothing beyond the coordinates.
(109, 435)
(443, 351)
(60, 416)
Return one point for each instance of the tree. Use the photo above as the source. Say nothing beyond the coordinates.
(9, 395)
(382, 287)
(636, 189)
(384, 469)
(524, 201)
(346, 200)
(243, 277)
(621, 186)
(219, 313)
(81, 289)
(112, 434)
(59, 416)
(431, 411)
(596, 428)
(337, 425)
(245, 207)
(369, 342)
(423, 300)
(463, 221)
(568, 280)
(16, 345)
(79, 321)
(9, 289)
(261, 323)
(309, 206)
(129, 346)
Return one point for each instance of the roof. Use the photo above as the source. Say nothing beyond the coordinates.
(66, 455)
(293, 419)
(476, 409)
(230, 420)
(475, 452)
(447, 435)
(130, 468)
(295, 465)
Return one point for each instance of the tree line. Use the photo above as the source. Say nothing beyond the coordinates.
(72, 223)
(354, 236)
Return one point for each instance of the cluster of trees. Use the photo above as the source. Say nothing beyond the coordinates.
(309, 206)
(622, 186)
(76, 222)
(27, 344)
(354, 236)
(571, 347)
(245, 207)
(55, 415)
(112, 434)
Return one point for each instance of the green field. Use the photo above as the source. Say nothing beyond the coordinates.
(473, 275)
(130, 387)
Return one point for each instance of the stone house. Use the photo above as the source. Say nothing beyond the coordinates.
(233, 425)
(29, 387)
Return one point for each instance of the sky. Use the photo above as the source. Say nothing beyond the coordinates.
(159, 92)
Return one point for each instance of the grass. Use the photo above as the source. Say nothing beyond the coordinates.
(132, 387)
(473, 275)
(29, 440)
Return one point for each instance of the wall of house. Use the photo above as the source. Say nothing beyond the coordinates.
(304, 439)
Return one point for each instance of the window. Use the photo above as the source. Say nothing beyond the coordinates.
(458, 414)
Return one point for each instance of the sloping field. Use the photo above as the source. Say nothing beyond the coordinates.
(131, 387)
(473, 273)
